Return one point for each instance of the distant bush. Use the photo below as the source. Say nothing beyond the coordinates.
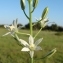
(2, 26)
(27, 26)
(60, 28)
(53, 27)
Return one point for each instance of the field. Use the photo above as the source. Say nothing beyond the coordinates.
(10, 49)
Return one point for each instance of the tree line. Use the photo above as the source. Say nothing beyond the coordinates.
(52, 27)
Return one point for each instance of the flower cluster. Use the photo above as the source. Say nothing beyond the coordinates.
(13, 29)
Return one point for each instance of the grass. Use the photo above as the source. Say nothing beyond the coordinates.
(10, 49)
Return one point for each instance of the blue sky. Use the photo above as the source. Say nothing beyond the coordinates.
(10, 10)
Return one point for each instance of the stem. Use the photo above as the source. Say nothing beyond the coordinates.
(22, 33)
(38, 32)
(30, 17)
(25, 14)
(33, 10)
(16, 37)
(36, 22)
(31, 60)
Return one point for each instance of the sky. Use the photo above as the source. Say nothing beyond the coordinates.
(11, 9)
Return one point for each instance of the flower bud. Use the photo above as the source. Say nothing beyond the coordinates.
(22, 3)
(52, 52)
(35, 2)
(48, 55)
(29, 0)
(44, 14)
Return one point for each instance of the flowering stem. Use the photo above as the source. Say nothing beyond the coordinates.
(22, 33)
(31, 60)
(16, 37)
(38, 32)
(25, 14)
(30, 17)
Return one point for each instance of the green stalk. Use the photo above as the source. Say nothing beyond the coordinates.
(25, 14)
(22, 33)
(38, 32)
(30, 21)
(31, 60)
(30, 17)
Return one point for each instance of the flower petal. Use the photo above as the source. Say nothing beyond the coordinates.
(7, 27)
(15, 24)
(31, 40)
(45, 20)
(23, 42)
(25, 49)
(6, 33)
(38, 48)
(31, 54)
(38, 41)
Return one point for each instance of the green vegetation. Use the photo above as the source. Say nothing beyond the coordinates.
(10, 49)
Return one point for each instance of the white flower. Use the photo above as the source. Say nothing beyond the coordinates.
(11, 28)
(43, 22)
(31, 46)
